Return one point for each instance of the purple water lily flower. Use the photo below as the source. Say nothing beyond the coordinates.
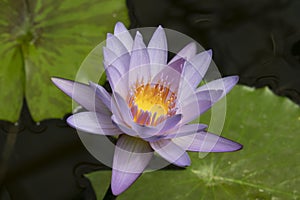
(151, 104)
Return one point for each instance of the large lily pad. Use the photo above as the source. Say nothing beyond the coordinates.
(267, 168)
(40, 39)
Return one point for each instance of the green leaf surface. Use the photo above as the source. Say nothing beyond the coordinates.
(40, 39)
(267, 168)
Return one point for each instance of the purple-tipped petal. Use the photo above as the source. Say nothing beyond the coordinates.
(132, 156)
(187, 52)
(102, 94)
(123, 35)
(121, 110)
(113, 76)
(145, 132)
(119, 62)
(153, 133)
(93, 122)
(196, 67)
(139, 55)
(82, 94)
(208, 95)
(171, 152)
(169, 123)
(206, 142)
(115, 45)
(109, 56)
(194, 109)
(225, 84)
(169, 75)
(158, 47)
(185, 130)
(122, 126)
(178, 65)
(194, 105)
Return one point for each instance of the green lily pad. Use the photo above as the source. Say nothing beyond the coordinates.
(267, 168)
(40, 39)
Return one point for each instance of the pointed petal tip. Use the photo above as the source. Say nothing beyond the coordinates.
(184, 161)
(236, 78)
(63, 84)
(138, 42)
(237, 147)
(191, 45)
(54, 79)
(71, 122)
(227, 145)
(230, 81)
(109, 35)
(57, 80)
(120, 28)
(119, 25)
(160, 30)
(118, 188)
(234, 146)
(138, 34)
(210, 53)
(159, 35)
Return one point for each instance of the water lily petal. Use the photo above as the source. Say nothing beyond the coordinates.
(194, 109)
(169, 123)
(119, 62)
(206, 142)
(145, 132)
(178, 64)
(82, 94)
(139, 63)
(132, 155)
(139, 54)
(170, 76)
(123, 35)
(121, 110)
(187, 129)
(102, 94)
(208, 95)
(186, 53)
(122, 126)
(225, 84)
(113, 75)
(158, 49)
(196, 67)
(115, 45)
(109, 57)
(93, 122)
(171, 152)
(196, 104)
(154, 133)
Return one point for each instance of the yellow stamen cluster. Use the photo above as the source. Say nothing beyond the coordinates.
(150, 104)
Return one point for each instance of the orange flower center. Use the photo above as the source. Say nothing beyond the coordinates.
(151, 104)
